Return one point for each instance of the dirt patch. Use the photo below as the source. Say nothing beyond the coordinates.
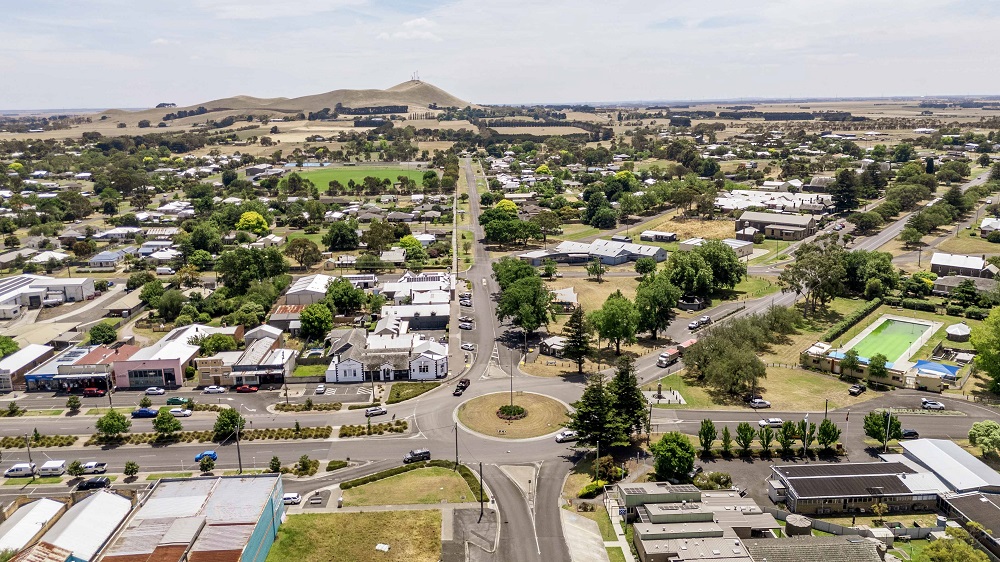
(686, 227)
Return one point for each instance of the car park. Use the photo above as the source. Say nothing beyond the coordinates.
(465, 326)
(856, 389)
(214, 389)
(698, 469)
(177, 401)
(465, 319)
(771, 422)
(468, 347)
(566, 435)
(375, 411)
(417, 455)
(759, 403)
(931, 404)
(144, 413)
(93, 392)
(291, 498)
(155, 391)
(94, 483)
(321, 389)
(206, 455)
(246, 388)
(180, 412)
(910, 434)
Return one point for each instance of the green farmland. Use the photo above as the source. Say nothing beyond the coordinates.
(323, 176)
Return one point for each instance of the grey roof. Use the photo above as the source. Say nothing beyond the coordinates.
(952, 281)
(776, 218)
(977, 506)
(958, 468)
(848, 486)
(849, 548)
(848, 469)
(256, 351)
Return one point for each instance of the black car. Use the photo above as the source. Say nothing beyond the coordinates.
(910, 434)
(94, 483)
(459, 390)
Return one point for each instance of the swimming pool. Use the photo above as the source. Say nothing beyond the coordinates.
(890, 338)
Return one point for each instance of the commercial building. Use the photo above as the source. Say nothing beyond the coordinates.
(89, 524)
(846, 548)
(309, 289)
(17, 364)
(742, 248)
(420, 316)
(955, 466)
(228, 519)
(28, 522)
(34, 291)
(262, 361)
(609, 252)
(776, 225)
(164, 362)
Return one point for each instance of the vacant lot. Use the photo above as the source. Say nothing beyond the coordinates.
(590, 294)
(555, 130)
(412, 536)
(424, 485)
(965, 243)
(686, 227)
(323, 176)
(545, 415)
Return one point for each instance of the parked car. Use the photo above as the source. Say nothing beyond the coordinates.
(566, 435)
(94, 483)
(177, 401)
(748, 398)
(206, 454)
(22, 469)
(465, 296)
(759, 403)
(465, 326)
(155, 391)
(214, 389)
(417, 455)
(467, 304)
(91, 392)
(180, 412)
(698, 469)
(705, 320)
(468, 347)
(694, 325)
(856, 389)
(321, 389)
(465, 319)
(291, 498)
(910, 434)
(375, 411)
(144, 413)
(95, 467)
(931, 404)
(771, 422)
(246, 388)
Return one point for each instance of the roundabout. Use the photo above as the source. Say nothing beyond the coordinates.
(538, 415)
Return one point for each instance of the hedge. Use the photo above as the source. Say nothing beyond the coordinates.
(363, 406)
(592, 490)
(893, 301)
(954, 310)
(918, 304)
(851, 319)
(335, 465)
(976, 313)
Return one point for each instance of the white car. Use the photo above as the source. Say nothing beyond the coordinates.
(321, 389)
(180, 412)
(759, 403)
(931, 404)
(468, 347)
(771, 422)
(567, 435)
(214, 389)
(155, 391)
(465, 326)
(291, 498)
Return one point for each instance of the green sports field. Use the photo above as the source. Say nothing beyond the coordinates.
(323, 176)
(890, 338)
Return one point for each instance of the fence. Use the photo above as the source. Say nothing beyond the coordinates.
(914, 533)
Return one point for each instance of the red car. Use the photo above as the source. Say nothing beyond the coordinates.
(246, 388)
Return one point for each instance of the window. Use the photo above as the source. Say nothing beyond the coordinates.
(145, 377)
(424, 368)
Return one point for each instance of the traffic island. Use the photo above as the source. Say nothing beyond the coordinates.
(532, 415)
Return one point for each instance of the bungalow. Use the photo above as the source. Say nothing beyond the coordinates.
(108, 258)
(268, 241)
(957, 264)
(395, 256)
(988, 225)
(657, 236)
(121, 233)
(399, 216)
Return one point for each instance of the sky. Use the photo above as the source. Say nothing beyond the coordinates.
(137, 53)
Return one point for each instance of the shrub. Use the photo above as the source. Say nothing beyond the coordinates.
(850, 320)
(976, 313)
(954, 310)
(893, 301)
(363, 406)
(918, 304)
(592, 490)
(511, 412)
(335, 465)
(993, 236)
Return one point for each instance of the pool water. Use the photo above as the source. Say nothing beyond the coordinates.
(890, 338)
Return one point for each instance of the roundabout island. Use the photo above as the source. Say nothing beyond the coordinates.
(532, 415)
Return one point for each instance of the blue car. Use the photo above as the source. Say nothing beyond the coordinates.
(206, 454)
(144, 413)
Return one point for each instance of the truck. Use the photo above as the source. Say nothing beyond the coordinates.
(95, 467)
(668, 357)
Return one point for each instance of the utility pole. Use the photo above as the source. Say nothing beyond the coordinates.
(239, 457)
(27, 443)
(826, 408)
(480, 491)
(888, 422)
(456, 445)
(512, 377)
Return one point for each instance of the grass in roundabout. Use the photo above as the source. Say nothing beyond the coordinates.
(545, 415)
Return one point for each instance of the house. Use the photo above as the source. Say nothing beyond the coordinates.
(742, 248)
(308, 289)
(269, 241)
(121, 233)
(609, 252)
(553, 345)
(152, 246)
(107, 259)
(395, 256)
(425, 239)
(565, 298)
(43, 258)
(385, 357)
(776, 225)
(399, 216)
(285, 317)
(945, 285)
(657, 236)
(957, 264)
(346, 351)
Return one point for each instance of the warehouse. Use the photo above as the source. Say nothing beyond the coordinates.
(309, 289)
(27, 523)
(227, 519)
(17, 364)
(88, 525)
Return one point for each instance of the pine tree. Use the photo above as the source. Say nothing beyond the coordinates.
(578, 342)
(594, 419)
(629, 402)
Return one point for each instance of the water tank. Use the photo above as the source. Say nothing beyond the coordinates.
(942, 521)
(798, 525)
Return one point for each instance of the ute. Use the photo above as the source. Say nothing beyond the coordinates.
(95, 468)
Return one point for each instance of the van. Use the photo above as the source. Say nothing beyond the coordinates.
(53, 468)
(23, 469)
(417, 455)
(164, 271)
(668, 357)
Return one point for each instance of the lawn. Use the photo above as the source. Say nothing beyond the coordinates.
(159, 475)
(30, 482)
(323, 176)
(401, 391)
(102, 411)
(576, 231)
(422, 486)
(615, 554)
(591, 294)
(963, 242)
(686, 227)
(891, 338)
(907, 519)
(42, 412)
(413, 536)
(545, 415)
(309, 370)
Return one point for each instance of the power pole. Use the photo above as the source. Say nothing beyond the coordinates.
(27, 443)
(456, 445)
(239, 457)
(480, 491)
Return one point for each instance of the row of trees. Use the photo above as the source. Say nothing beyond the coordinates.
(113, 424)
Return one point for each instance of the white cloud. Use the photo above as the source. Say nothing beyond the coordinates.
(271, 9)
(414, 29)
(159, 41)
